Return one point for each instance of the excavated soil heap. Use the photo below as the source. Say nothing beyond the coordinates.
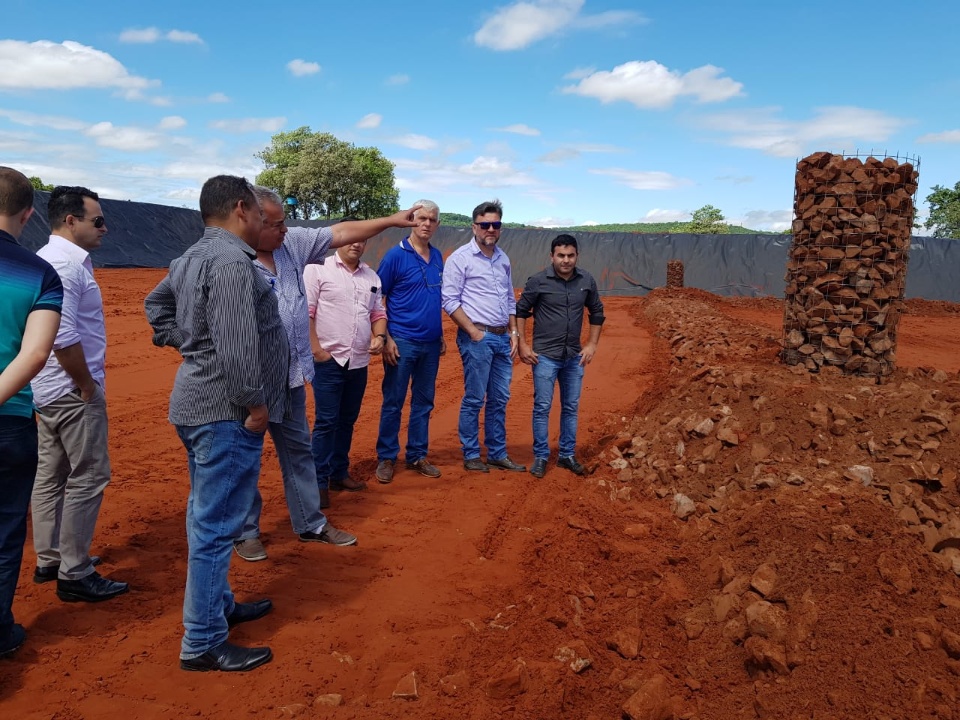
(754, 541)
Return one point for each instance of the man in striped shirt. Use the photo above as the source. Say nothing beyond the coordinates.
(219, 311)
(31, 298)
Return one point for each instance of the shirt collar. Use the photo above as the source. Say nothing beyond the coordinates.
(213, 231)
(70, 249)
(361, 266)
(4, 235)
(477, 251)
(551, 272)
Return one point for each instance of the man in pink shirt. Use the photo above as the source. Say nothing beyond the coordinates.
(345, 300)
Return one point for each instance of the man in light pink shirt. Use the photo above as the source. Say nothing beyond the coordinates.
(344, 299)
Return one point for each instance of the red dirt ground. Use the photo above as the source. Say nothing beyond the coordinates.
(477, 584)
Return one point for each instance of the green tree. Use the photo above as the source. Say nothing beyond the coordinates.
(39, 184)
(329, 177)
(708, 220)
(944, 212)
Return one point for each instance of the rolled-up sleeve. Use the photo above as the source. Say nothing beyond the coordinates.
(451, 291)
(595, 304)
(161, 308)
(231, 316)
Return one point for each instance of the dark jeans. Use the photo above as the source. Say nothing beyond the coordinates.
(337, 395)
(416, 369)
(18, 467)
(487, 371)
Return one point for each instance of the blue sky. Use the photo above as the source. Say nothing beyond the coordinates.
(568, 111)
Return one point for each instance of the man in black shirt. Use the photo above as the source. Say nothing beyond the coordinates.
(556, 298)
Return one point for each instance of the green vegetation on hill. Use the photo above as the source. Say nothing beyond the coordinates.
(457, 220)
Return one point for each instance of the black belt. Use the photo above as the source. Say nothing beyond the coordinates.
(495, 329)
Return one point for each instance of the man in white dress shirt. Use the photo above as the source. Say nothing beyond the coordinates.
(74, 465)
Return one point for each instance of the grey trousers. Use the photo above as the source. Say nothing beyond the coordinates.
(72, 472)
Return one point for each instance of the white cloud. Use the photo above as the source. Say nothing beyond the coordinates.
(552, 222)
(650, 85)
(149, 35)
(774, 220)
(302, 67)
(524, 23)
(140, 35)
(370, 121)
(161, 101)
(184, 36)
(574, 150)
(658, 215)
(948, 136)
(435, 176)
(736, 179)
(415, 142)
(643, 180)
(519, 129)
(250, 125)
(128, 139)
(54, 122)
(191, 194)
(172, 122)
(217, 97)
(44, 65)
(831, 127)
(399, 79)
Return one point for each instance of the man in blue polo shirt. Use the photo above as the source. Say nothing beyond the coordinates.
(411, 275)
(31, 297)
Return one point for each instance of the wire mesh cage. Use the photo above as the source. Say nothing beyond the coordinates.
(847, 266)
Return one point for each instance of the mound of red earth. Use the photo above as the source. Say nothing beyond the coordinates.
(756, 541)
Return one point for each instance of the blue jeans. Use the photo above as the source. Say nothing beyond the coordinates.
(18, 467)
(546, 373)
(417, 369)
(224, 462)
(291, 438)
(487, 371)
(337, 395)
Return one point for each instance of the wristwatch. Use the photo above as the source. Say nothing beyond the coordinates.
(382, 335)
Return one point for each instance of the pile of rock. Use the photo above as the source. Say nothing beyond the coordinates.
(675, 274)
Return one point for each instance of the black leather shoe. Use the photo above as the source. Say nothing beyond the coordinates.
(14, 640)
(248, 612)
(539, 468)
(506, 463)
(48, 574)
(475, 465)
(571, 464)
(228, 658)
(92, 588)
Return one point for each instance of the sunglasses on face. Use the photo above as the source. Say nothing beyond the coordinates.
(487, 225)
(98, 222)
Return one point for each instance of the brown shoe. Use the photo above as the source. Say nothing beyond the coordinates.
(348, 484)
(424, 468)
(385, 471)
(324, 499)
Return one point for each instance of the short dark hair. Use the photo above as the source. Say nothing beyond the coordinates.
(221, 193)
(491, 206)
(564, 240)
(16, 192)
(67, 200)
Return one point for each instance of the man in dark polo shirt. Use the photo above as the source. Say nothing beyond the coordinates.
(556, 298)
(31, 298)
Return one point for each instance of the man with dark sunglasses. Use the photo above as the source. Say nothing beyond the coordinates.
(74, 465)
(411, 274)
(478, 295)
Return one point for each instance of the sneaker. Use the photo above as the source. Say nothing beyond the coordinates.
(476, 465)
(424, 468)
(251, 550)
(329, 535)
(385, 471)
(570, 463)
(506, 463)
(14, 640)
(539, 468)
